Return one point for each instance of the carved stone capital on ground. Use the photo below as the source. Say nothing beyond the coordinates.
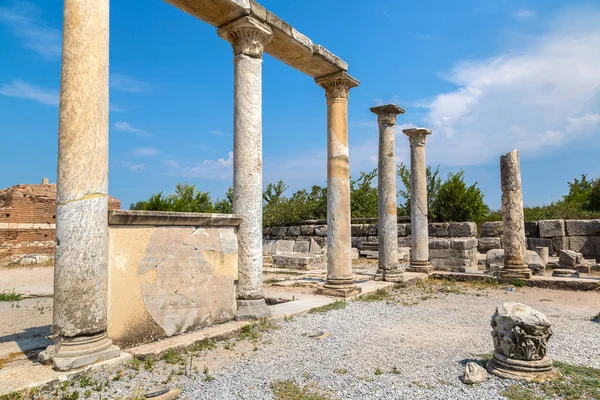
(417, 136)
(386, 114)
(337, 85)
(247, 35)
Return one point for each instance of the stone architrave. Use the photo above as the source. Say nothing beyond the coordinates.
(247, 36)
(339, 251)
(389, 269)
(520, 335)
(419, 259)
(514, 242)
(81, 261)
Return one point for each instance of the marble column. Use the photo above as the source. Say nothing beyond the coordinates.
(81, 260)
(419, 254)
(339, 261)
(247, 36)
(513, 237)
(387, 210)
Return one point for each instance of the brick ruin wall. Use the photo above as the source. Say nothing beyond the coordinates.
(27, 222)
(582, 236)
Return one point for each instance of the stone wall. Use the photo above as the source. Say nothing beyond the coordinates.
(170, 273)
(582, 236)
(27, 223)
(453, 245)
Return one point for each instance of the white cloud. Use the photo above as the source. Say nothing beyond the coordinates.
(124, 126)
(131, 166)
(128, 84)
(527, 98)
(220, 169)
(23, 20)
(525, 14)
(27, 91)
(144, 152)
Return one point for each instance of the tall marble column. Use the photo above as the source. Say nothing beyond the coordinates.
(80, 265)
(387, 210)
(248, 35)
(419, 254)
(513, 237)
(339, 261)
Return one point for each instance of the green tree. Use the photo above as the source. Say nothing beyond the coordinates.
(580, 191)
(457, 202)
(434, 183)
(185, 199)
(594, 200)
(363, 196)
(225, 206)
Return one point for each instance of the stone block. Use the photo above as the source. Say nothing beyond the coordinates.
(451, 264)
(307, 230)
(552, 227)
(439, 229)
(321, 230)
(372, 239)
(283, 246)
(568, 258)
(278, 230)
(494, 261)
(297, 261)
(532, 243)
(532, 229)
(266, 231)
(439, 243)
(492, 229)
(463, 244)
(293, 231)
(462, 229)
(314, 247)
(372, 229)
(354, 254)
(583, 268)
(578, 227)
(358, 230)
(302, 246)
(268, 246)
(401, 229)
(405, 241)
(485, 244)
(370, 254)
(321, 241)
(406, 228)
(560, 243)
(589, 246)
(357, 241)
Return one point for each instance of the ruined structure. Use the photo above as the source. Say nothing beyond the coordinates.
(28, 223)
(81, 305)
(419, 258)
(387, 207)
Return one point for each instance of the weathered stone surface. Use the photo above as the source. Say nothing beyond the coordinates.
(293, 231)
(531, 229)
(474, 373)
(568, 257)
(494, 261)
(453, 264)
(485, 244)
(401, 229)
(302, 246)
(372, 230)
(357, 241)
(589, 246)
(565, 273)
(463, 244)
(492, 229)
(560, 243)
(314, 247)
(462, 229)
(358, 230)
(544, 253)
(307, 230)
(278, 231)
(575, 227)
(404, 241)
(537, 242)
(551, 228)
(321, 230)
(404, 227)
(268, 246)
(435, 243)
(439, 229)
(283, 246)
(583, 268)
(298, 261)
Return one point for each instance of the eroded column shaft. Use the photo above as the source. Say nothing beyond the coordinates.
(387, 204)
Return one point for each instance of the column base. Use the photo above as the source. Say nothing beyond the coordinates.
(515, 272)
(344, 288)
(423, 267)
(390, 275)
(70, 353)
(521, 370)
(252, 309)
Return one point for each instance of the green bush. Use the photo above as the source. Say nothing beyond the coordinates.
(457, 202)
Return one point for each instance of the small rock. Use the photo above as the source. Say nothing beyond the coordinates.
(474, 373)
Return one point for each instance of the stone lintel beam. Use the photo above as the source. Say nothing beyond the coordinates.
(287, 44)
(170, 218)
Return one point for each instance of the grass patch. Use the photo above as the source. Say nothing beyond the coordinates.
(336, 305)
(204, 345)
(517, 392)
(290, 390)
(254, 330)
(379, 295)
(207, 376)
(341, 371)
(172, 357)
(378, 371)
(518, 283)
(149, 364)
(10, 295)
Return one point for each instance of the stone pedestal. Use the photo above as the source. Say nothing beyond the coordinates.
(247, 36)
(419, 259)
(339, 255)
(520, 336)
(80, 269)
(514, 242)
(387, 210)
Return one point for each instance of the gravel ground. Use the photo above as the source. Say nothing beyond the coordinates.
(419, 340)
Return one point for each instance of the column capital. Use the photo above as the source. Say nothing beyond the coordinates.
(247, 35)
(386, 114)
(417, 136)
(337, 85)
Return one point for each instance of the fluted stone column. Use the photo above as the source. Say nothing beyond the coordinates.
(81, 270)
(247, 36)
(419, 254)
(339, 261)
(387, 210)
(514, 242)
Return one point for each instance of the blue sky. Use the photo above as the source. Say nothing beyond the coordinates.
(486, 76)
